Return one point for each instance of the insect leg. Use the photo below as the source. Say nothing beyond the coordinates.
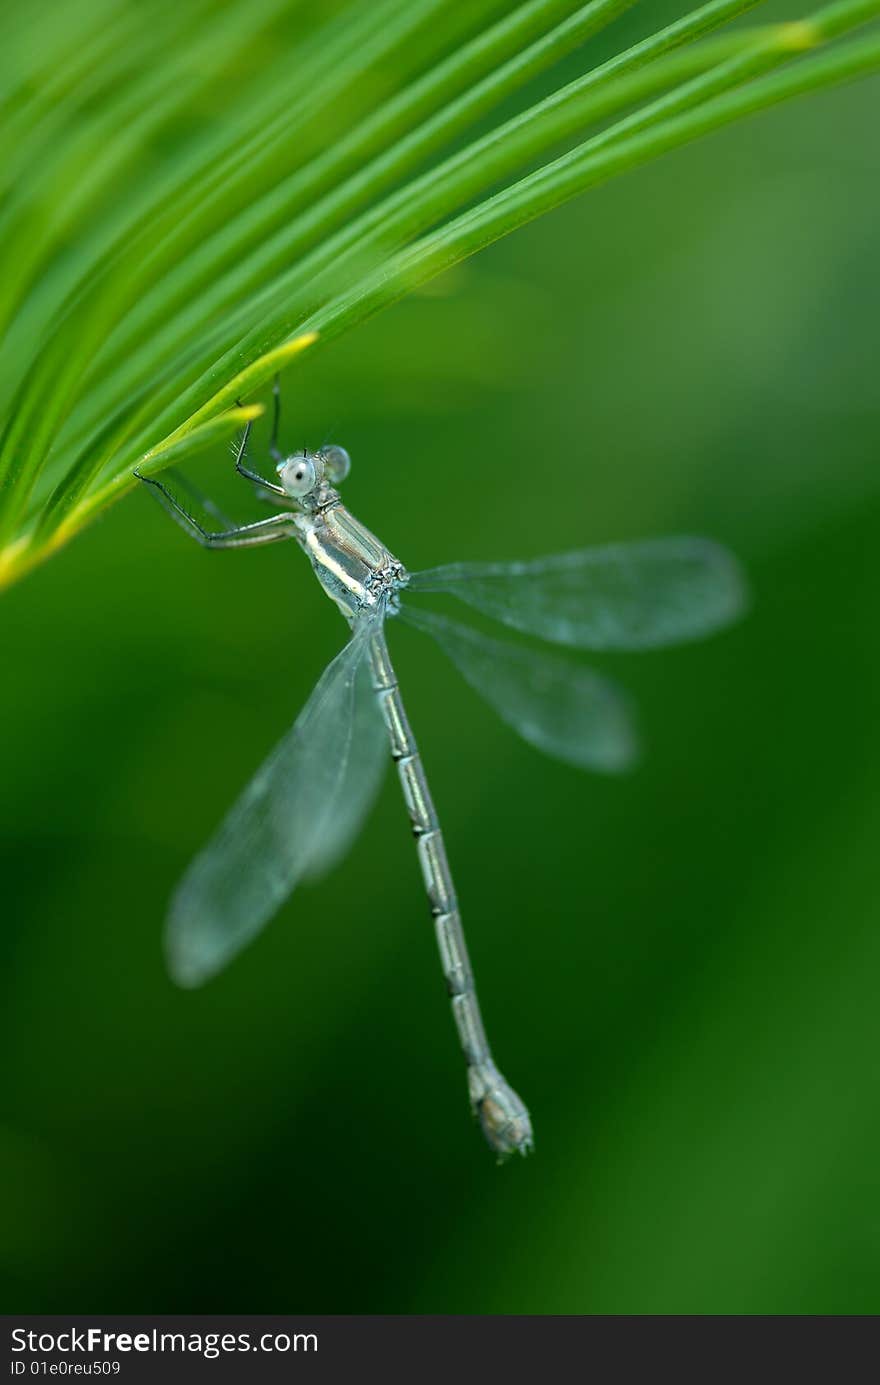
(207, 504)
(254, 476)
(276, 421)
(262, 531)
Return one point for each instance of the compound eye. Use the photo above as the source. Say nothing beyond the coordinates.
(299, 476)
(337, 462)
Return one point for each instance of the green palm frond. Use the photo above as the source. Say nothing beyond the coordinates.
(193, 192)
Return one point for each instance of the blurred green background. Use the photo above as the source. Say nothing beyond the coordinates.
(678, 969)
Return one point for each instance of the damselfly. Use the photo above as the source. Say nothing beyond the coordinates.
(306, 804)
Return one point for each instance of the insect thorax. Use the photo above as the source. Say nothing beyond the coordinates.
(355, 569)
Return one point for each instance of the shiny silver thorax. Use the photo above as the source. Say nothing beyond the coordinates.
(355, 569)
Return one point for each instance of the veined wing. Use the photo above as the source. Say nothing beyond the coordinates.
(567, 711)
(619, 596)
(368, 759)
(292, 820)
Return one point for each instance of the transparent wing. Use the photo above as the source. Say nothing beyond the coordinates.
(620, 596)
(368, 759)
(290, 821)
(565, 710)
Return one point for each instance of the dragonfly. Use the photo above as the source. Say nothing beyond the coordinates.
(306, 804)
